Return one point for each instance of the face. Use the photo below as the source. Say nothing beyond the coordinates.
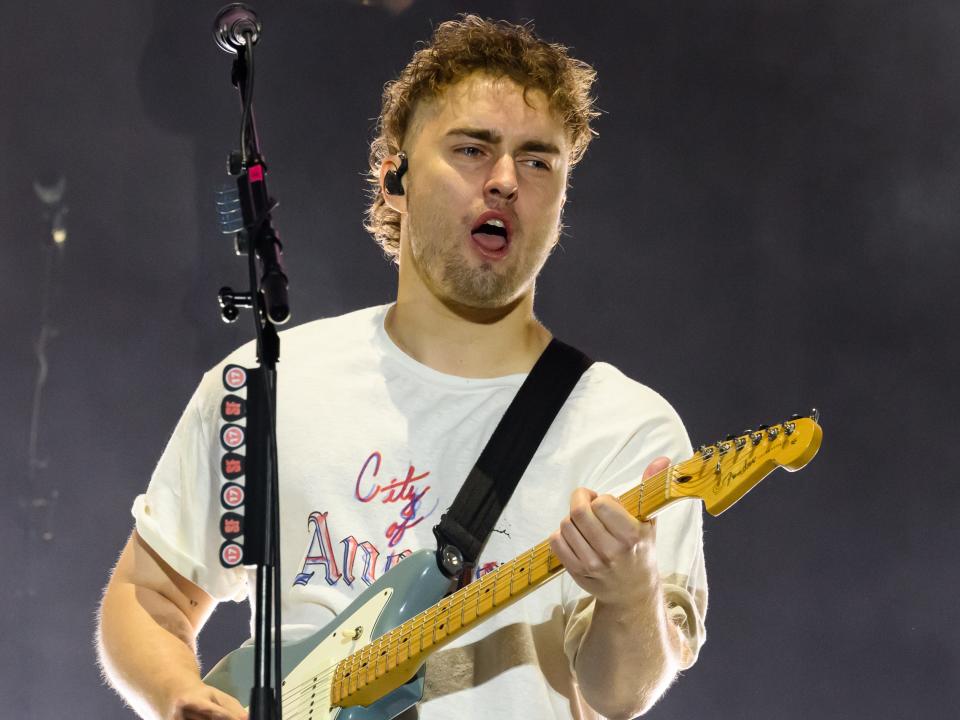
(485, 192)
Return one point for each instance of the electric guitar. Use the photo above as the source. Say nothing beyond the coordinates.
(368, 663)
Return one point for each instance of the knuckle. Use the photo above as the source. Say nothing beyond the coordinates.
(604, 501)
(581, 512)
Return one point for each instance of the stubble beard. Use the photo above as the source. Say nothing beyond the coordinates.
(441, 262)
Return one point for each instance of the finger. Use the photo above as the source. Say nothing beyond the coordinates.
(655, 466)
(581, 496)
(564, 554)
(592, 528)
(229, 702)
(203, 711)
(616, 520)
(588, 559)
(207, 710)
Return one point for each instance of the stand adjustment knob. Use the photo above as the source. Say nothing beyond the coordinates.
(230, 302)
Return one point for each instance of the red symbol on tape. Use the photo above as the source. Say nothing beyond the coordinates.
(235, 377)
(231, 554)
(231, 527)
(233, 496)
(233, 437)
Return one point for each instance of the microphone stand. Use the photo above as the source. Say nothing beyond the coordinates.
(267, 298)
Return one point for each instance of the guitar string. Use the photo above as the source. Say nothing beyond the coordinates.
(539, 556)
(536, 557)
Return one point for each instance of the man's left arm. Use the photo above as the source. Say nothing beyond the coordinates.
(631, 650)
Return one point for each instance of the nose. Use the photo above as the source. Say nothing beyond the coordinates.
(501, 186)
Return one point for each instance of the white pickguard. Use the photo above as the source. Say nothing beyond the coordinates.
(306, 690)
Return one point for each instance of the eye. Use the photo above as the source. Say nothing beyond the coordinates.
(470, 151)
(535, 163)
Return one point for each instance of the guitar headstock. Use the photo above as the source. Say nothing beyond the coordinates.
(722, 473)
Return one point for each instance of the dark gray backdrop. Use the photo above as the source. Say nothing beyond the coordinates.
(767, 222)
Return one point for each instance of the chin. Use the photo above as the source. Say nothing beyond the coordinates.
(492, 296)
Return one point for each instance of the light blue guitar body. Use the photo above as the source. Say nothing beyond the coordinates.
(407, 589)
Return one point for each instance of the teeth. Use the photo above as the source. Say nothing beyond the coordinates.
(495, 223)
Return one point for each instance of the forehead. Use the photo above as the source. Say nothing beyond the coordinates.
(489, 102)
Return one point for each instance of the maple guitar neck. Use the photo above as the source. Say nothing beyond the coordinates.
(718, 474)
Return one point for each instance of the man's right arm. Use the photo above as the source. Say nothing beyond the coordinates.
(146, 639)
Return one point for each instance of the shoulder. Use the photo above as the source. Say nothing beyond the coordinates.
(606, 392)
(627, 417)
(356, 328)
(358, 325)
(616, 426)
(310, 347)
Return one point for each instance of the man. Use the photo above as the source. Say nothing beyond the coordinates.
(382, 413)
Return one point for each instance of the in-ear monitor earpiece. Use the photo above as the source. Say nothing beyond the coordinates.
(391, 180)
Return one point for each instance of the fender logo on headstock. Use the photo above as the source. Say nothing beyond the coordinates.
(725, 479)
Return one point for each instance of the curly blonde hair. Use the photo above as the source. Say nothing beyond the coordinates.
(457, 49)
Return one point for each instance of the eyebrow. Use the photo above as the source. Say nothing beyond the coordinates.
(493, 137)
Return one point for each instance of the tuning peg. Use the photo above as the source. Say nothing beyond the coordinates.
(815, 415)
(738, 442)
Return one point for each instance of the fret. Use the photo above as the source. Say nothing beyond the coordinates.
(485, 599)
(468, 612)
(403, 649)
(538, 568)
(425, 633)
(519, 577)
(501, 595)
(454, 619)
(441, 625)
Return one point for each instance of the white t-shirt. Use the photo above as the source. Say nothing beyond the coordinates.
(373, 447)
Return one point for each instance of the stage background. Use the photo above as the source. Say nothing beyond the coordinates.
(767, 222)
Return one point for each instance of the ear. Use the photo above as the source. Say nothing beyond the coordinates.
(394, 202)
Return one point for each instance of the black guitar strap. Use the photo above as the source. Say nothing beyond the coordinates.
(464, 528)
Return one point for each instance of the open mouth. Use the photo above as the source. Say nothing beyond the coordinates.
(491, 238)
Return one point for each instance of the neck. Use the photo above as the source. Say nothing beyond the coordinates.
(463, 341)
